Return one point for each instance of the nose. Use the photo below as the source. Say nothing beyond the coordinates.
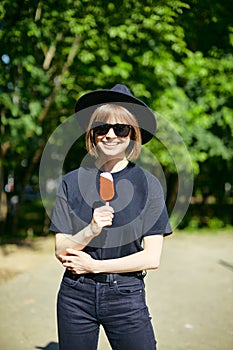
(110, 133)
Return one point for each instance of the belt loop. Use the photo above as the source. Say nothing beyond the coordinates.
(112, 277)
(81, 279)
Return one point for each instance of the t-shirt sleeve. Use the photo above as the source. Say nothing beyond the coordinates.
(156, 220)
(61, 220)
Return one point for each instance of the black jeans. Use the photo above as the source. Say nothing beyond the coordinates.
(119, 306)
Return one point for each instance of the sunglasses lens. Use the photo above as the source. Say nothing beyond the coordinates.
(101, 129)
(121, 130)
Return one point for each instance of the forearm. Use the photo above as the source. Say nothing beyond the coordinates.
(147, 259)
(77, 241)
(101, 217)
(136, 262)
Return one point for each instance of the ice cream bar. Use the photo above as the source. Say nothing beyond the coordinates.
(106, 186)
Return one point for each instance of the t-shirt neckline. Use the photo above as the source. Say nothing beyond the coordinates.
(121, 172)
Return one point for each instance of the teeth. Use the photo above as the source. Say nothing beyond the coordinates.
(111, 144)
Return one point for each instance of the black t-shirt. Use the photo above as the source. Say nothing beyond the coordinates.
(139, 209)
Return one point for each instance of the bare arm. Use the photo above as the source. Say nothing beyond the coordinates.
(78, 241)
(149, 258)
(101, 217)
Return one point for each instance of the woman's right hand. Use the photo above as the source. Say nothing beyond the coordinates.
(102, 217)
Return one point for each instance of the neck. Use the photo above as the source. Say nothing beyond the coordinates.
(112, 165)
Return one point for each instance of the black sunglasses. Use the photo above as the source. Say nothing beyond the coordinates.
(121, 130)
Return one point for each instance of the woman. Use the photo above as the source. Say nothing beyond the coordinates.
(105, 247)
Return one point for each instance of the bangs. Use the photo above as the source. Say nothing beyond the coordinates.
(111, 113)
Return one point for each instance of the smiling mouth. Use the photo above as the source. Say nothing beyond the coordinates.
(111, 143)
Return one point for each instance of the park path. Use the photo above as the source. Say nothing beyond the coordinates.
(190, 297)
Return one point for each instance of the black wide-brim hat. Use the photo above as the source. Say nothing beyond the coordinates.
(121, 95)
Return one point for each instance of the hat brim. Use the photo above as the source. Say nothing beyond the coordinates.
(88, 103)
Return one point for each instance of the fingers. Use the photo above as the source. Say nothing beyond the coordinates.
(67, 263)
(79, 262)
(103, 216)
(68, 260)
(71, 251)
(104, 210)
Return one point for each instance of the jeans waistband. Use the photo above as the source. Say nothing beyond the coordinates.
(107, 277)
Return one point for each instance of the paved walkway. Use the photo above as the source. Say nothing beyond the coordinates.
(190, 298)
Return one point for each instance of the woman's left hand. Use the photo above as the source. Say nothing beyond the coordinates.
(78, 262)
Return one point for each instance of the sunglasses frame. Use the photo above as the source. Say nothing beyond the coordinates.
(106, 127)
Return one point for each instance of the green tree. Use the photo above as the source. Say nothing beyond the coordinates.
(53, 52)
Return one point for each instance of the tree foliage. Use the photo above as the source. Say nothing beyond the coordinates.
(175, 55)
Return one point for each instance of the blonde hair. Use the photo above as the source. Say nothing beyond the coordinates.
(112, 111)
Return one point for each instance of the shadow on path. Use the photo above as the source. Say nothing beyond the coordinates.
(50, 346)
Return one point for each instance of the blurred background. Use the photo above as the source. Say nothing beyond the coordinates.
(174, 55)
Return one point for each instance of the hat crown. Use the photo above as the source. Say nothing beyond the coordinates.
(122, 96)
(122, 89)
